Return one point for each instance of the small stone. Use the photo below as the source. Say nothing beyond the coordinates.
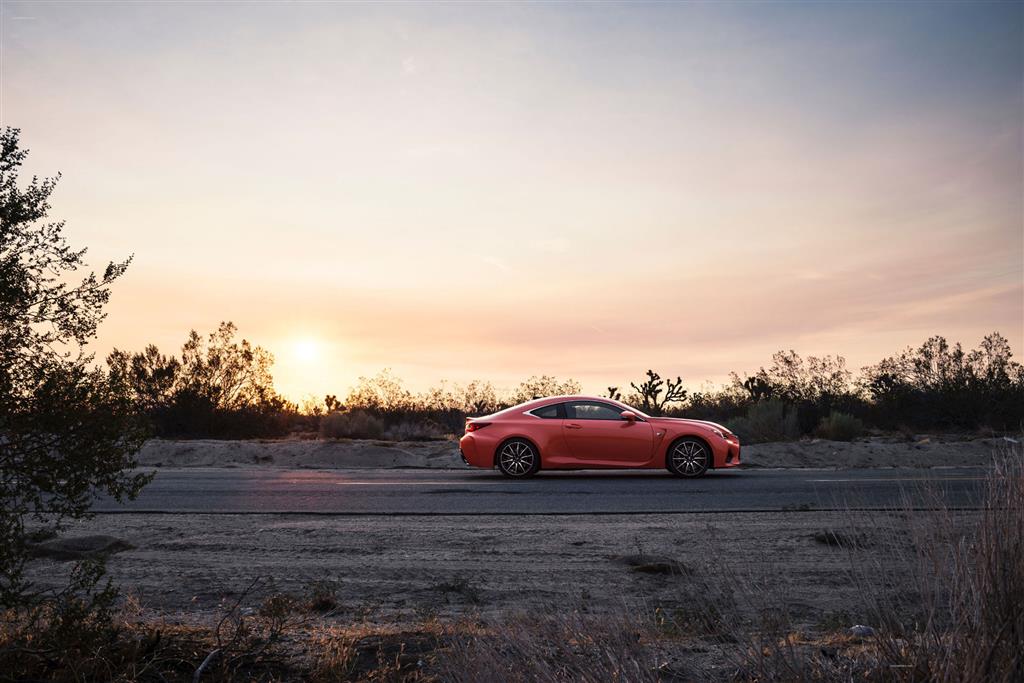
(652, 564)
(862, 631)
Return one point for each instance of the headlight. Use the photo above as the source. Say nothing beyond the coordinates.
(718, 432)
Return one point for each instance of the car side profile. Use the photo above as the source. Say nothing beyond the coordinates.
(586, 432)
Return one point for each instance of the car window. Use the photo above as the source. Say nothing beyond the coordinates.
(551, 412)
(592, 410)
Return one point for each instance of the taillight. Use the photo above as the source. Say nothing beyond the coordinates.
(473, 426)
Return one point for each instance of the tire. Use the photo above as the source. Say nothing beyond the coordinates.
(688, 457)
(517, 459)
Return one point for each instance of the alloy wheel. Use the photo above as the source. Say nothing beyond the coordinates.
(517, 459)
(689, 458)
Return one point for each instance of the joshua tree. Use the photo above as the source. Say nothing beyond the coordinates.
(656, 393)
(758, 388)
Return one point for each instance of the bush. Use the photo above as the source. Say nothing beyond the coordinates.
(354, 424)
(767, 421)
(941, 385)
(840, 427)
(419, 430)
(219, 389)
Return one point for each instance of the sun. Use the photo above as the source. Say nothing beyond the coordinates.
(305, 350)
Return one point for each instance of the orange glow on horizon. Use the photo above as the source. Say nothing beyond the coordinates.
(493, 192)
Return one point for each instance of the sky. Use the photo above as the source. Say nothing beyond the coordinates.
(494, 191)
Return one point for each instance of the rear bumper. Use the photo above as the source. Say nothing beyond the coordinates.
(473, 453)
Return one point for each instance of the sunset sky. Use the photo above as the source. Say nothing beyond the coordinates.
(495, 191)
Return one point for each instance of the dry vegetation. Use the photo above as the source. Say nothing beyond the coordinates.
(222, 388)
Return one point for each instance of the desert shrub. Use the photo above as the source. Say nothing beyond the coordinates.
(220, 388)
(61, 628)
(414, 430)
(717, 404)
(190, 416)
(245, 644)
(840, 427)
(382, 393)
(543, 385)
(765, 421)
(353, 424)
(942, 385)
(824, 381)
(475, 398)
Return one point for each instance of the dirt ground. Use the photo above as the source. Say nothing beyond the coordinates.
(921, 451)
(407, 569)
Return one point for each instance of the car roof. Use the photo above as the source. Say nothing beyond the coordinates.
(567, 397)
(548, 400)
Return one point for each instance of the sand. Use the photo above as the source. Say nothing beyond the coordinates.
(405, 569)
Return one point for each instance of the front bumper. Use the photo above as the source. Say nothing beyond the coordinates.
(731, 456)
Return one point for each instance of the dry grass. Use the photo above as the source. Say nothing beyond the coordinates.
(941, 589)
(561, 647)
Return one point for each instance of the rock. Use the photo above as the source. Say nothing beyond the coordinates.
(862, 631)
(80, 547)
(840, 539)
(652, 564)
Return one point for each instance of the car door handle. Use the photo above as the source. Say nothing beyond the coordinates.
(573, 427)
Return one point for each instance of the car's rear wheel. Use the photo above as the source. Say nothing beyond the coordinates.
(689, 457)
(518, 458)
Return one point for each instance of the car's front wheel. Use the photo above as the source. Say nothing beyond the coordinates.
(689, 457)
(518, 458)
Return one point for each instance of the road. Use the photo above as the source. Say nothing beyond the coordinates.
(473, 492)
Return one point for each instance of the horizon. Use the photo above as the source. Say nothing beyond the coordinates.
(496, 192)
(622, 384)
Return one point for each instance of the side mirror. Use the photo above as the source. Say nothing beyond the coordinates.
(628, 415)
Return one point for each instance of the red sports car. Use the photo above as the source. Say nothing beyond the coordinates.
(583, 432)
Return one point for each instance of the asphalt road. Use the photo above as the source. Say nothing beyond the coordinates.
(477, 492)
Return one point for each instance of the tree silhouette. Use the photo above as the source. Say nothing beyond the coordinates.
(655, 393)
(67, 433)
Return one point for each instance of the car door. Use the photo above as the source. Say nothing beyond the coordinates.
(596, 434)
(545, 429)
